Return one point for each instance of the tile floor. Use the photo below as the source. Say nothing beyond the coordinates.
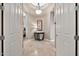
(38, 48)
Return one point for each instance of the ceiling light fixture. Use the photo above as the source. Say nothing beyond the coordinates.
(38, 10)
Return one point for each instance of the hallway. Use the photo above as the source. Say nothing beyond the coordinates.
(48, 29)
(39, 48)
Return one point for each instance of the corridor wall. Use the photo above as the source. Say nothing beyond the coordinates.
(13, 29)
(26, 24)
(52, 27)
(47, 18)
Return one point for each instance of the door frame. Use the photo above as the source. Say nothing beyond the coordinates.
(2, 30)
(76, 30)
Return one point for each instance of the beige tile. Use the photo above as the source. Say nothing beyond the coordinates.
(38, 48)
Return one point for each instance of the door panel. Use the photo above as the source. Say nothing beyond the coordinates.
(13, 29)
(65, 30)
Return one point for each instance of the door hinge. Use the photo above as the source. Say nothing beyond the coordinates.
(1, 7)
(77, 7)
(1, 37)
(76, 37)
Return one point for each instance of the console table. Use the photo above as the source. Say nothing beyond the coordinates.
(39, 35)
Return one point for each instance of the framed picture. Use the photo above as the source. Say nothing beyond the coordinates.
(39, 25)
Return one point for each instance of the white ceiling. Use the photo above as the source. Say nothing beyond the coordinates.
(32, 7)
(42, 5)
(36, 4)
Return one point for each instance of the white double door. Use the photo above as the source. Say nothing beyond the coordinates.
(13, 27)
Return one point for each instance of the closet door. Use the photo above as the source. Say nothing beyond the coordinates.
(65, 29)
(13, 29)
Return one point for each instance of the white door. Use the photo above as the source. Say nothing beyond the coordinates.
(13, 29)
(65, 29)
